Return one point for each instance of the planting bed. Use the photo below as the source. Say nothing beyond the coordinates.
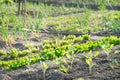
(59, 43)
(102, 70)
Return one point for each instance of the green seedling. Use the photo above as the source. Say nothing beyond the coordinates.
(34, 49)
(60, 62)
(89, 62)
(2, 52)
(70, 56)
(102, 7)
(107, 48)
(116, 51)
(86, 37)
(78, 39)
(97, 53)
(45, 67)
(38, 23)
(70, 37)
(113, 63)
(24, 52)
(71, 60)
(4, 28)
(14, 53)
(63, 68)
(16, 30)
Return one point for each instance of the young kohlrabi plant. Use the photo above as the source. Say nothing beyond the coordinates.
(70, 56)
(63, 68)
(107, 48)
(60, 62)
(89, 61)
(45, 67)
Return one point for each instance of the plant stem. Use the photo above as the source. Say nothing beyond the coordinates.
(90, 69)
(44, 74)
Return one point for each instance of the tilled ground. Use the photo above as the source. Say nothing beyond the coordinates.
(101, 71)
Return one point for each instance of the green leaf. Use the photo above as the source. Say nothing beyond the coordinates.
(96, 53)
(45, 65)
(68, 55)
(63, 60)
(2, 52)
(57, 61)
(116, 51)
(88, 61)
(63, 68)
